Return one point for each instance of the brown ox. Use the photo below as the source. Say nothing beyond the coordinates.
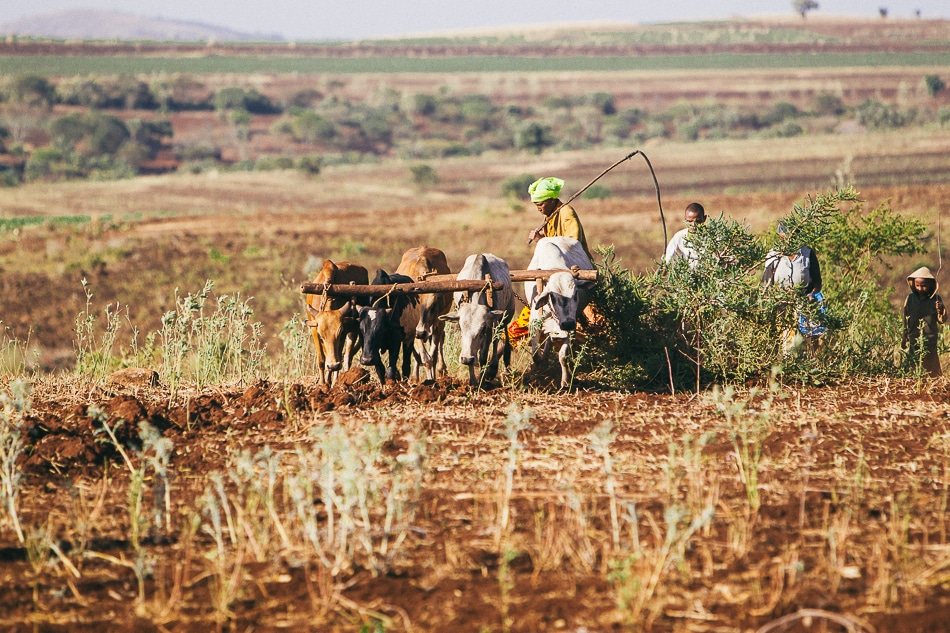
(430, 331)
(333, 320)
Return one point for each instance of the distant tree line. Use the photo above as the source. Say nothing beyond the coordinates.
(80, 127)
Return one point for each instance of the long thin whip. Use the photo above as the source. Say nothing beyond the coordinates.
(939, 250)
(656, 186)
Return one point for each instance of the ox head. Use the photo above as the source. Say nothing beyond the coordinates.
(377, 330)
(477, 324)
(331, 327)
(557, 306)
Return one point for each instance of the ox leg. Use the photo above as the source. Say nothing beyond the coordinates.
(422, 346)
(472, 378)
(380, 371)
(392, 367)
(497, 351)
(439, 368)
(321, 378)
(423, 358)
(408, 351)
(350, 345)
(562, 356)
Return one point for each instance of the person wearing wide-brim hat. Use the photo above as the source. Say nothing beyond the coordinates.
(923, 313)
(562, 220)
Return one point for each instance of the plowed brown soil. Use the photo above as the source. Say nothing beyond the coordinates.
(852, 523)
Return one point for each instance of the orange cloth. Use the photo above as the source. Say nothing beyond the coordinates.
(519, 329)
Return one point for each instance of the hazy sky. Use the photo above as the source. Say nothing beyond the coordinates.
(353, 19)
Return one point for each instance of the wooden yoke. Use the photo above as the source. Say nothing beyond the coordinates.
(489, 292)
(354, 290)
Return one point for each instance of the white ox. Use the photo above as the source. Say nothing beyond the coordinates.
(563, 298)
(483, 328)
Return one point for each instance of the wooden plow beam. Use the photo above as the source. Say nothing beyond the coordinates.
(414, 288)
(437, 284)
(529, 275)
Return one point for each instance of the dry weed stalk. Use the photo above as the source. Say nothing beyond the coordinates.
(14, 407)
(748, 429)
(689, 508)
(600, 440)
(518, 421)
(226, 556)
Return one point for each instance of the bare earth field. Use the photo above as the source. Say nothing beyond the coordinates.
(850, 526)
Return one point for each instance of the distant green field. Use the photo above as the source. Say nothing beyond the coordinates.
(66, 66)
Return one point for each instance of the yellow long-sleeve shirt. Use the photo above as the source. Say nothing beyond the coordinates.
(565, 223)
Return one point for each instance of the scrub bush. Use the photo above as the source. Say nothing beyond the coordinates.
(711, 320)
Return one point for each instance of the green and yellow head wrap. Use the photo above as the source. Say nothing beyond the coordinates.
(545, 189)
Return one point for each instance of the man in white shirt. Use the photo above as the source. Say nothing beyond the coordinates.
(694, 215)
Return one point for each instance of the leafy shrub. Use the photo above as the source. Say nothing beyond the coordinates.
(877, 115)
(603, 101)
(517, 186)
(596, 192)
(94, 133)
(309, 164)
(627, 338)
(778, 113)
(859, 245)
(82, 91)
(305, 98)
(228, 99)
(31, 90)
(534, 137)
(9, 177)
(786, 129)
(50, 164)
(234, 98)
(130, 93)
(712, 321)
(424, 105)
(182, 92)
(828, 104)
(257, 103)
(556, 103)
(479, 112)
(311, 127)
(934, 84)
(424, 176)
(150, 134)
(272, 163)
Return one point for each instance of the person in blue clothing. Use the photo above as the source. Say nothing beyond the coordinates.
(800, 270)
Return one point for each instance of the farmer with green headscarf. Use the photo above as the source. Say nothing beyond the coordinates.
(562, 220)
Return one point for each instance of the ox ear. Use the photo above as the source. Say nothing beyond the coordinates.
(541, 299)
(451, 316)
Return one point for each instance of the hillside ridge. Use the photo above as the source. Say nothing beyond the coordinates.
(120, 25)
